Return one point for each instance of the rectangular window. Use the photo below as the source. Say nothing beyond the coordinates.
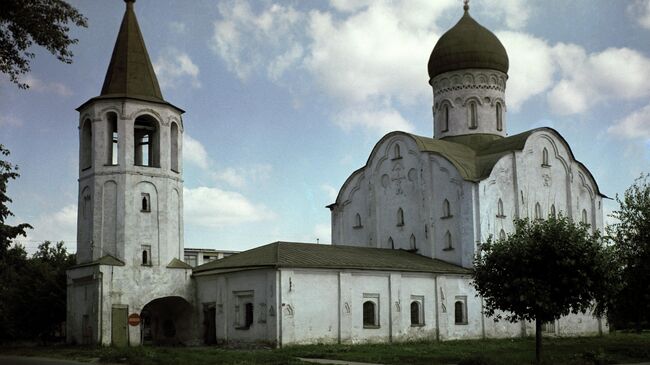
(244, 309)
(190, 260)
(370, 310)
(548, 327)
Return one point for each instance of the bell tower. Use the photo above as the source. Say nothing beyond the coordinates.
(130, 282)
(130, 185)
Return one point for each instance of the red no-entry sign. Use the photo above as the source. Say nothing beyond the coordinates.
(134, 319)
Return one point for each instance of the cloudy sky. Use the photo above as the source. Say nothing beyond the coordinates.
(285, 99)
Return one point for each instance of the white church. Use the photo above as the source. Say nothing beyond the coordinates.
(405, 227)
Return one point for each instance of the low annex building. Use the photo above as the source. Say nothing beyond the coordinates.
(405, 226)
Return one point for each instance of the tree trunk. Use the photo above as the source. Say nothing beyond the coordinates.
(538, 341)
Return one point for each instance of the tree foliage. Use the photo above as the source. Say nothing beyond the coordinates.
(25, 22)
(631, 238)
(32, 290)
(546, 269)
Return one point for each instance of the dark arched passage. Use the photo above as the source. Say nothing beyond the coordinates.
(167, 321)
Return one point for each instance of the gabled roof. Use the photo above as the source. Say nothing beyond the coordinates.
(104, 260)
(178, 264)
(310, 255)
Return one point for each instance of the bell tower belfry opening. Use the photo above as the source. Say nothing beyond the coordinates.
(130, 225)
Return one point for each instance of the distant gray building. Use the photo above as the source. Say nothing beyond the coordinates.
(405, 226)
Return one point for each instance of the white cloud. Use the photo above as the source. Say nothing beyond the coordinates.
(38, 85)
(178, 27)
(531, 67)
(194, 152)
(249, 42)
(242, 176)
(7, 121)
(640, 11)
(515, 13)
(331, 192)
(587, 79)
(55, 226)
(323, 232)
(214, 208)
(634, 126)
(173, 66)
(375, 120)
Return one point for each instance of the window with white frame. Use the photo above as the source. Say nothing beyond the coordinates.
(191, 260)
(244, 309)
(370, 310)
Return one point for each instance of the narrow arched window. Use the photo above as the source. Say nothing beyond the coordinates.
(396, 152)
(146, 141)
(369, 313)
(357, 221)
(448, 242)
(538, 211)
(86, 145)
(445, 118)
(499, 117)
(174, 147)
(400, 217)
(584, 216)
(113, 139)
(412, 244)
(390, 243)
(146, 255)
(416, 313)
(145, 203)
(502, 235)
(473, 115)
(460, 312)
(446, 209)
(545, 157)
(500, 209)
(553, 210)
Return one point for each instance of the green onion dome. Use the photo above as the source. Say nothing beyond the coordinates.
(467, 45)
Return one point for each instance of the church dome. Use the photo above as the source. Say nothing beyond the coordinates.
(467, 45)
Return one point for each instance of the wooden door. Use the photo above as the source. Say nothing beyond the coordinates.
(119, 323)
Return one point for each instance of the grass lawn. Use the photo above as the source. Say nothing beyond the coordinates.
(610, 349)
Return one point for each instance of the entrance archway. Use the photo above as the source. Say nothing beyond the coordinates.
(166, 321)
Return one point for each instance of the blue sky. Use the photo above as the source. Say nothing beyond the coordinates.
(285, 99)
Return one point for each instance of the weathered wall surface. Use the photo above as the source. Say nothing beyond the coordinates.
(230, 292)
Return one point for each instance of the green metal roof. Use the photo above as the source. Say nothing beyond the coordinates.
(309, 255)
(467, 45)
(474, 155)
(130, 73)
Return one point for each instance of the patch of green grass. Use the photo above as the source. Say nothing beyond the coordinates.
(609, 349)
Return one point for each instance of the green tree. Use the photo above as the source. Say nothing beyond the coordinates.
(546, 269)
(631, 238)
(43, 291)
(25, 22)
(12, 258)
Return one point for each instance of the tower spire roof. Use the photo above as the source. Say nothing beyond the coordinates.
(130, 73)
